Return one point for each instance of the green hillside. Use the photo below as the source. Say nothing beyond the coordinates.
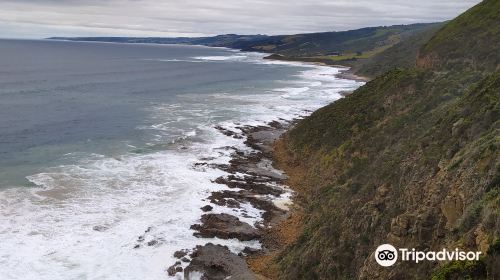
(344, 43)
(411, 159)
(471, 41)
(368, 53)
(403, 54)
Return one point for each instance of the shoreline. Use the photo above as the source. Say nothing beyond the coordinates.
(263, 178)
(285, 231)
(343, 74)
(252, 180)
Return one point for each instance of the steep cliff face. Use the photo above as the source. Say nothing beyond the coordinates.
(410, 159)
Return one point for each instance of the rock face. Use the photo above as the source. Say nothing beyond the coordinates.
(216, 262)
(225, 226)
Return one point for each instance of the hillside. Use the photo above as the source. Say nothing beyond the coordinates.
(370, 39)
(403, 54)
(345, 47)
(410, 159)
(370, 55)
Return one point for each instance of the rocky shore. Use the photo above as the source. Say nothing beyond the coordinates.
(251, 180)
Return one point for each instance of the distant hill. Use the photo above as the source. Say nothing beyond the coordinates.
(345, 47)
(372, 52)
(342, 43)
(216, 41)
(369, 51)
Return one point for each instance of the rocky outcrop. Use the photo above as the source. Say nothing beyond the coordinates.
(225, 226)
(251, 180)
(216, 262)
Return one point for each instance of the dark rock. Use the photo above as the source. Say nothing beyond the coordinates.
(231, 203)
(179, 254)
(250, 184)
(228, 132)
(171, 270)
(217, 262)
(249, 251)
(185, 259)
(152, 243)
(100, 228)
(207, 208)
(225, 226)
(270, 210)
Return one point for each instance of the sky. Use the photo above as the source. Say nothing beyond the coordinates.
(169, 18)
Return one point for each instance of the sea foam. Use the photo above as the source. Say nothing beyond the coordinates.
(123, 217)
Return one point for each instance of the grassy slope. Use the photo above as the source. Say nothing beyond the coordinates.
(469, 41)
(411, 159)
(352, 41)
(403, 54)
(397, 48)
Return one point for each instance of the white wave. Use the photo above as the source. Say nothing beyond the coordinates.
(83, 221)
(50, 232)
(172, 60)
(221, 57)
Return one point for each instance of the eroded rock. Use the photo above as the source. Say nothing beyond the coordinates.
(216, 262)
(225, 226)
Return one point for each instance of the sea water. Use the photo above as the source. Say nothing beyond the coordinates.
(98, 145)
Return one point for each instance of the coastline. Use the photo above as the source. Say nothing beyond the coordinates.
(262, 186)
(346, 73)
(214, 182)
(264, 178)
(285, 231)
(252, 180)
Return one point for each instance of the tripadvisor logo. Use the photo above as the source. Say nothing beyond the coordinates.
(387, 255)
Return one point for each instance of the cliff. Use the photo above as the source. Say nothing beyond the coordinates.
(410, 159)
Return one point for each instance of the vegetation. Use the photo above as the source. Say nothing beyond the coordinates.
(471, 269)
(462, 270)
(318, 44)
(411, 159)
(400, 55)
(351, 45)
(471, 40)
(398, 48)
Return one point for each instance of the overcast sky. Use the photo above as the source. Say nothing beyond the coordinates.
(44, 18)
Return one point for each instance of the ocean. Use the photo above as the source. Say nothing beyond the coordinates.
(98, 145)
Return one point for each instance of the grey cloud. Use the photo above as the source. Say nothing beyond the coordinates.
(37, 18)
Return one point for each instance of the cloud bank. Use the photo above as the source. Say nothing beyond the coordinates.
(44, 18)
